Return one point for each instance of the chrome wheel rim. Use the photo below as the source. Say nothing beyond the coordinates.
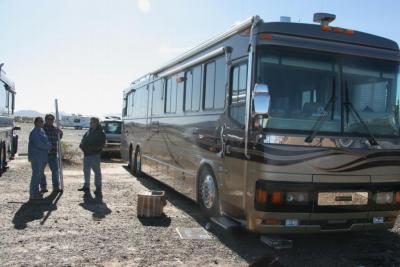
(208, 192)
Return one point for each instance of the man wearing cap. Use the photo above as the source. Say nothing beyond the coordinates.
(38, 148)
(92, 145)
(52, 134)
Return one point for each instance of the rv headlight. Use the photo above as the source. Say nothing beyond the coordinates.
(384, 197)
(296, 197)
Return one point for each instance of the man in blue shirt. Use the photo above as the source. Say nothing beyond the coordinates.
(38, 148)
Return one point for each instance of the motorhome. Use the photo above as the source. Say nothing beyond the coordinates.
(8, 136)
(75, 121)
(278, 127)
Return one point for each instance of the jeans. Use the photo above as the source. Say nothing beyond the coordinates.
(53, 164)
(92, 162)
(37, 175)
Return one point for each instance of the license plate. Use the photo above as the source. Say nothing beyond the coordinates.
(342, 198)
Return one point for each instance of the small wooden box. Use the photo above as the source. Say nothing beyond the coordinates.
(151, 203)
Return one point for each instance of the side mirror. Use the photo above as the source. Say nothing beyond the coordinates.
(16, 128)
(261, 100)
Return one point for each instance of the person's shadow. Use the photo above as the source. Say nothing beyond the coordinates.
(31, 211)
(95, 205)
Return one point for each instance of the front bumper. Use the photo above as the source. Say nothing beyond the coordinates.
(112, 147)
(322, 222)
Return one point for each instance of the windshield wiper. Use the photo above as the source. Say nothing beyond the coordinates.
(322, 118)
(348, 105)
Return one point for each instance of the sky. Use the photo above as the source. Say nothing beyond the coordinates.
(85, 52)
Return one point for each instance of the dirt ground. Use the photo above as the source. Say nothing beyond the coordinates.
(73, 229)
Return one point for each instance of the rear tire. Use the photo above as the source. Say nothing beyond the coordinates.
(137, 164)
(1, 159)
(4, 156)
(208, 193)
(131, 162)
(14, 146)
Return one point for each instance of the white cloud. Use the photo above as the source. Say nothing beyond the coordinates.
(144, 5)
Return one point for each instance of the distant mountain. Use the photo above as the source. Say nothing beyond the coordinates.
(27, 113)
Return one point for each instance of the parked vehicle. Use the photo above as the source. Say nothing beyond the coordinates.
(8, 135)
(279, 127)
(112, 128)
(75, 121)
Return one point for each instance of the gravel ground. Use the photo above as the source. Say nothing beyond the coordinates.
(74, 229)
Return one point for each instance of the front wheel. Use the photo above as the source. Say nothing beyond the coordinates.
(208, 193)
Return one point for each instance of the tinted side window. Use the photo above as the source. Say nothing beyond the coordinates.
(139, 102)
(237, 101)
(220, 80)
(157, 99)
(188, 89)
(209, 85)
(125, 102)
(10, 103)
(196, 88)
(129, 104)
(214, 90)
(170, 95)
(3, 98)
(192, 89)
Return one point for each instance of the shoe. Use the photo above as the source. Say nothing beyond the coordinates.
(57, 190)
(85, 189)
(43, 190)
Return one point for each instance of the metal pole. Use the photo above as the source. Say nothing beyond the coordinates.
(59, 158)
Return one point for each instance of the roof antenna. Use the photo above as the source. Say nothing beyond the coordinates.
(324, 18)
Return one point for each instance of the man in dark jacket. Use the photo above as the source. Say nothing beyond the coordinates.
(92, 145)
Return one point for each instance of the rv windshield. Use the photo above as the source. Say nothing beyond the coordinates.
(306, 85)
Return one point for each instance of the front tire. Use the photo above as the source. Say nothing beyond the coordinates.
(208, 193)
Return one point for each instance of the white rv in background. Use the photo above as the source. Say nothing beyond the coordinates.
(75, 121)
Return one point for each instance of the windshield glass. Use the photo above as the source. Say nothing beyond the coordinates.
(306, 85)
(113, 127)
(371, 88)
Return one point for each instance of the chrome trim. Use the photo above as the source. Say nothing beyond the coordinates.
(189, 64)
(168, 165)
(232, 31)
(249, 81)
